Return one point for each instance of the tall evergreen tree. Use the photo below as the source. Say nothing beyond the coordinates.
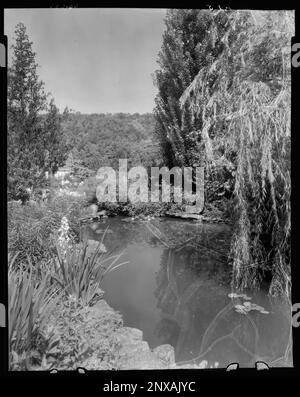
(55, 145)
(188, 46)
(29, 144)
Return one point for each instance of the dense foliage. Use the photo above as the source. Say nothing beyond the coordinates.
(31, 227)
(54, 284)
(237, 102)
(190, 42)
(50, 329)
(97, 140)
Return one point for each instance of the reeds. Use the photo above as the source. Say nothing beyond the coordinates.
(30, 305)
(80, 272)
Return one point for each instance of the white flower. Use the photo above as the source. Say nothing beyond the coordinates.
(64, 239)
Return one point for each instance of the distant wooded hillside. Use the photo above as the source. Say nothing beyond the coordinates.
(102, 139)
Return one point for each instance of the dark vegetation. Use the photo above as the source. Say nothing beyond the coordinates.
(98, 140)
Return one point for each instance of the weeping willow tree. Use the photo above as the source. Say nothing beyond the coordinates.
(241, 99)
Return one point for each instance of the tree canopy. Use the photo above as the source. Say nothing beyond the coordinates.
(237, 103)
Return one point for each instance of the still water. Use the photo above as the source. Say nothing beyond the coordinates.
(176, 289)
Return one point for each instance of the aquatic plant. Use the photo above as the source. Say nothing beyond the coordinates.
(80, 272)
(30, 305)
(245, 332)
(65, 239)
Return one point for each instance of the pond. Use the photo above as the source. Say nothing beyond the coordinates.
(176, 289)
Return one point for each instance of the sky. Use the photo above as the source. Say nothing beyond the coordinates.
(94, 60)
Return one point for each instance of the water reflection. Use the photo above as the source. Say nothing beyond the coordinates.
(176, 286)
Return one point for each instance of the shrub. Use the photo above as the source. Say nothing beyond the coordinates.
(31, 226)
(135, 209)
(83, 337)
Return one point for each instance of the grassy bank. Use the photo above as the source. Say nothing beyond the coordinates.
(54, 285)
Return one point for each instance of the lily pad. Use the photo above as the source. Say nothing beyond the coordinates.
(233, 295)
(264, 312)
(240, 309)
(248, 306)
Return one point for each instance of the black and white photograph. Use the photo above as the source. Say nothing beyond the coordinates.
(149, 188)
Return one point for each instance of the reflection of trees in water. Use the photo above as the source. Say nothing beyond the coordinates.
(120, 234)
(189, 300)
(196, 316)
(247, 338)
(185, 294)
(201, 240)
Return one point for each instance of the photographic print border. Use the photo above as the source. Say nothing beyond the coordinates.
(99, 378)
